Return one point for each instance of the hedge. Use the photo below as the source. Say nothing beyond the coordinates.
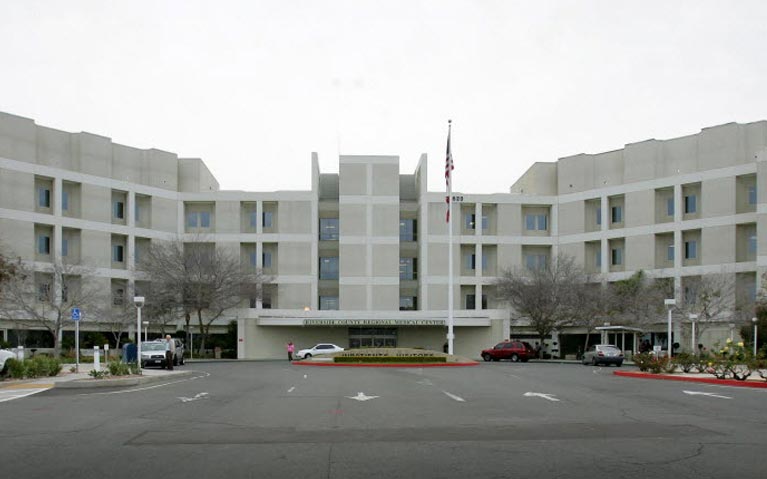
(390, 359)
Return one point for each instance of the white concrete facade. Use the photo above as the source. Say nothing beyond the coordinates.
(361, 256)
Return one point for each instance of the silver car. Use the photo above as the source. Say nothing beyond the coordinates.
(603, 354)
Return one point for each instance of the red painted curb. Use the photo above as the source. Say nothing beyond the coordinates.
(720, 382)
(386, 365)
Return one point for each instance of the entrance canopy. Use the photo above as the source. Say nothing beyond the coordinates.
(615, 331)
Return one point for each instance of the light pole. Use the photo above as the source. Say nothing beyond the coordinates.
(753, 320)
(139, 302)
(693, 317)
(670, 303)
(146, 330)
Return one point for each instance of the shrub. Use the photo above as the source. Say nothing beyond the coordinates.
(117, 368)
(731, 361)
(16, 369)
(685, 361)
(643, 360)
(658, 365)
(98, 374)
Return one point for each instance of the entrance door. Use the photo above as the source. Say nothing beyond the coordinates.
(372, 338)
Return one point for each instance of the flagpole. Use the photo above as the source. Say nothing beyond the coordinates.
(449, 173)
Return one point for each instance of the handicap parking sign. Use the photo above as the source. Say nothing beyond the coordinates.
(76, 314)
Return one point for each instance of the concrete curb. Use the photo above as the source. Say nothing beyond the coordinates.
(121, 382)
(718, 382)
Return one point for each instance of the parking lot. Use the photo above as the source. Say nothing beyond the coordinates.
(273, 419)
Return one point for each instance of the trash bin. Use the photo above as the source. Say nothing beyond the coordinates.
(129, 353)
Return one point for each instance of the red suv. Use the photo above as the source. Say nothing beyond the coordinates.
(512, 350)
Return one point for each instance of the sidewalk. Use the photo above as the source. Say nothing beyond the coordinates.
(69, 380)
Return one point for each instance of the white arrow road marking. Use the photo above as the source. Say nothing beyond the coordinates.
(425, 382)
(362, 397)
(550, 397)
(700, 393)
(453, 396)
(195, 398)
(514, 376)
(291, 389)
(305, 376)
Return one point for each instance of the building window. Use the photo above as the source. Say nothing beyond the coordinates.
(599, 258)
(470, 222)
(670, 207)
(252, 257)
(65, 201)
(670, 253)
(408, 269)
(43, 244)
(136, 210)
(471, 301)
(43, 292)
(617, 214)
(118, 210)
(752, 244)
(690, 295)
(690, 249)
(267, 217)
(252, 302)
(198, 219)
(253, 219)
(118, 297)
(536, 261)
(43, 197)
(599, 216)
(407, 230)
(471, 261)
(752, 195)
(485, 222)
(64, 293)
(536, 222)
(616, 256)
(329, 229)
(408, 303)
(329, 303)
(484, 301)
(690, 205)
(266, 302)
(64, 247)
(329, 267)
(266, 259)
(117, 253)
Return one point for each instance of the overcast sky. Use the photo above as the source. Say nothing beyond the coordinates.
(253, 87)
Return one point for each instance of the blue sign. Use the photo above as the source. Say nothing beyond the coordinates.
(76, 314)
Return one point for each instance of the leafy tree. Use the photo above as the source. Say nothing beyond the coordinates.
(547, 297)
(638, 300)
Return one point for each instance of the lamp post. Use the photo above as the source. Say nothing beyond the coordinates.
(753, 320)
(146, 330)
(693, 318)
(670, 303)
(139, 302)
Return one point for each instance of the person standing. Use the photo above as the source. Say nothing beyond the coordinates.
(291, 349)
(170, 351)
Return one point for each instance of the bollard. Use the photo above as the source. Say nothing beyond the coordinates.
(106, 354)
(96, 362)
(20, 353)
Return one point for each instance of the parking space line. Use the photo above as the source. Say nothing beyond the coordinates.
(453, 396)
(291, 389)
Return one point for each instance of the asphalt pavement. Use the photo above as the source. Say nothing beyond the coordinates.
(273, 419)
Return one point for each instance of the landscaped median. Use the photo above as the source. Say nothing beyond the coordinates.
(388, 357)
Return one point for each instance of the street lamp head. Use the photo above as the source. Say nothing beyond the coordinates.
(693, 317)
(669, 302)
(754, 320)
(138, 301)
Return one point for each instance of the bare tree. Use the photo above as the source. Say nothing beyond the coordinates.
(712, 298)
(43, 298)
(546, 297)
(198, 279)
(590, 308)
(7, 268)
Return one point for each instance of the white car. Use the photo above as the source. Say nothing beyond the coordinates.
(4, 356)
(322, 348)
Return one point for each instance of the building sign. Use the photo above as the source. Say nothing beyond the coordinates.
(374, 322)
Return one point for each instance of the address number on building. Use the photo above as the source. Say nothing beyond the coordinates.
(457, 198)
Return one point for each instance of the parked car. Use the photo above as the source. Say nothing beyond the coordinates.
(4, 356)
(153, 353)
(511, 350)
(603, 354)
(322, 348)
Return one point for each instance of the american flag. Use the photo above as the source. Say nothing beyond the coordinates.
(448, 169)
